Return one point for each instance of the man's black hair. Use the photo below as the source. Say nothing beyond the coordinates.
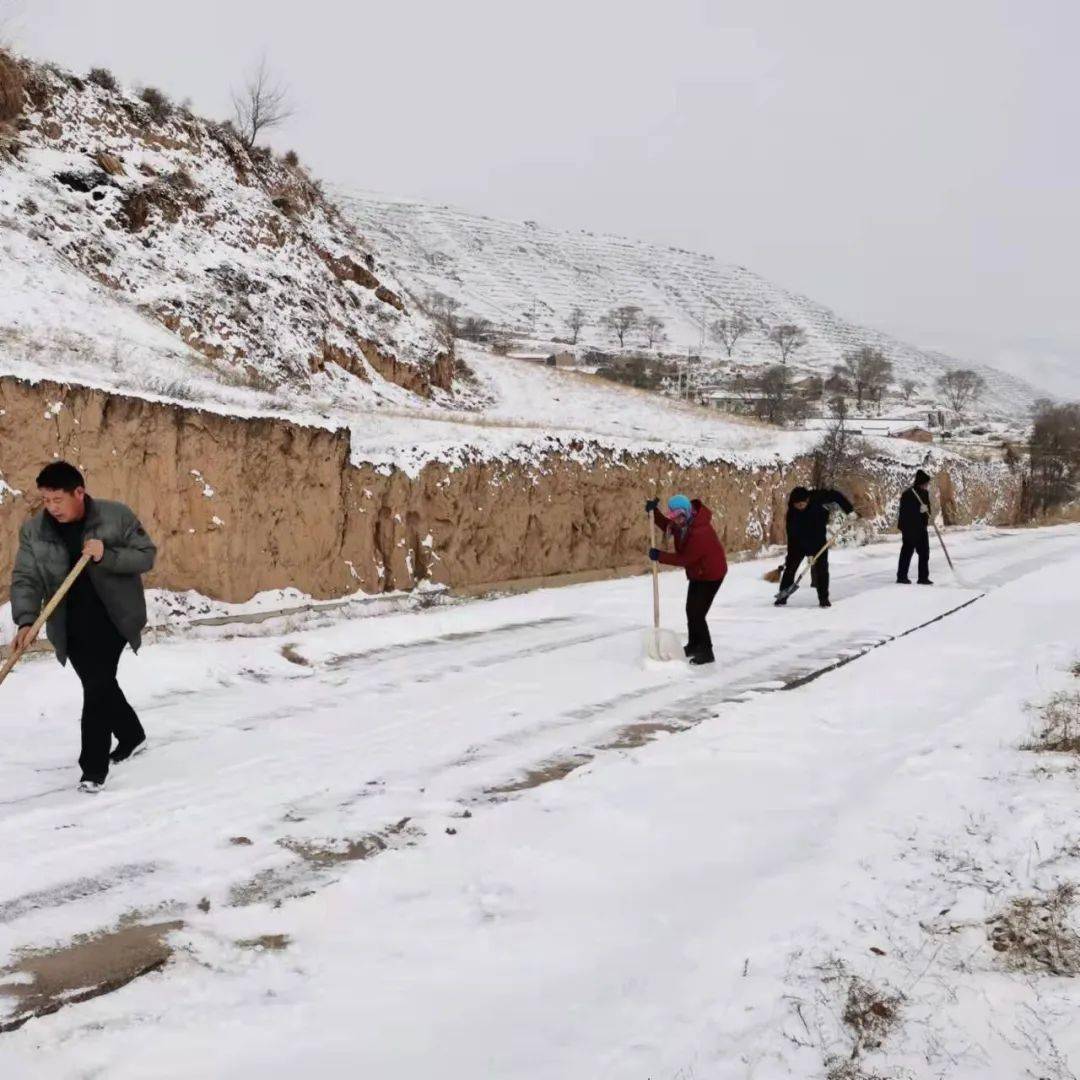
(60, 476)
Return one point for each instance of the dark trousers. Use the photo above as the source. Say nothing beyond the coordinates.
(819, 572)
(106, 711)
(915, 543)
(699, 598)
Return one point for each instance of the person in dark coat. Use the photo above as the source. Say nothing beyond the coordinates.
(807, 527)
(699, 551)
(915, 530)
(104, 610)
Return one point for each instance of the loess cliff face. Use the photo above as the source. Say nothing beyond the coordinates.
(238, 506)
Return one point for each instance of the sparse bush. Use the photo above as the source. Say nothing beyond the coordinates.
(104, 78)
(292, 159)
(12, 89)
(161, 108)
(641, 372)
(177, 389)
(1037, 933)
(1059, 723)
(474, 328)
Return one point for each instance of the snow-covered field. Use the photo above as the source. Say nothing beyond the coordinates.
(491, 840)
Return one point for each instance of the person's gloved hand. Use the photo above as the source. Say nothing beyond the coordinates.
(925, 509)
(651, 505)
(654, 554)
(852, 516)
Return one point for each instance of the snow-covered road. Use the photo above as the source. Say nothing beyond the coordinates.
(562, 888)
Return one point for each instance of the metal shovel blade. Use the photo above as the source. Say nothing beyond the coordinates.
(663, 645)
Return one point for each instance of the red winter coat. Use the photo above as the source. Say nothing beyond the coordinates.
(697, 548)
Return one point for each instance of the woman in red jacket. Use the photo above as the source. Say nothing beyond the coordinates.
(699, 551)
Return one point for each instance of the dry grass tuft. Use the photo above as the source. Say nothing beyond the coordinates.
(1036, 933)
(871, 1014)
(1059, 724)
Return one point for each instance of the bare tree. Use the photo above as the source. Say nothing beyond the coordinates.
(729, 329)
(787, 338)
(1053, 474)
(575, 322)
(907, 390)
(961, 388)
(262, 104)
(778, 401)
(621, 320)
(653, 328)
(443, 309)
(838, 454)
(867, 371)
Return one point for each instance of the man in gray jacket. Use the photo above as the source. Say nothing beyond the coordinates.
(104, 610)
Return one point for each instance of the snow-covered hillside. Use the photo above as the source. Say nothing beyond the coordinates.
(527, 277)
(236, 252)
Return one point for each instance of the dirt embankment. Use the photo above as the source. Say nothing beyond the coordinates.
(238, 505)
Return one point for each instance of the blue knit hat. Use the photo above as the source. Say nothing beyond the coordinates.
(680, 503)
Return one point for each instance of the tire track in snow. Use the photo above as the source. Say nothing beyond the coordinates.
(694, 709)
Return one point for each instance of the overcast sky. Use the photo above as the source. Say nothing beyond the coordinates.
(915, 166)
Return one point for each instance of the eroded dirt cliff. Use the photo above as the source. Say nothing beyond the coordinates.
(239, 505)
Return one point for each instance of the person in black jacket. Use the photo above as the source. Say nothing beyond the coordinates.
(807, 521)
(914, 530)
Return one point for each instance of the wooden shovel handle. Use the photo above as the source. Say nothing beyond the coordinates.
(655, 575)
(46, 612)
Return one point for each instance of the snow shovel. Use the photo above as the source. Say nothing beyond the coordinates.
(659, 644)
(49, 608)
(783, 594)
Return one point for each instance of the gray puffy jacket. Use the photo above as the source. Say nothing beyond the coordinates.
(42, 564)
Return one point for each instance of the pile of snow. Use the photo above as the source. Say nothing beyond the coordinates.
(526, 277)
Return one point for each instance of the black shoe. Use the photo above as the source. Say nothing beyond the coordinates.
(780, 601)
(688, 651)
(903, 581)
(925, 581)
(90, 787)
(122, 753)
(703, 658)
(824, 602)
